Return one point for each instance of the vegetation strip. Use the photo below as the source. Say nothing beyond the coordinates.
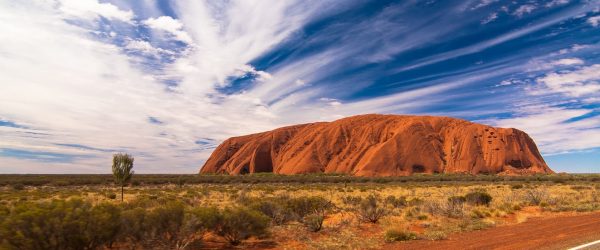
(320, 215)
(159, 179)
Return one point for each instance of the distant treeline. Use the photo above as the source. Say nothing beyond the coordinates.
(161, 179)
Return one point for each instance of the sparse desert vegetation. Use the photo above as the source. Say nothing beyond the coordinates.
(271, 211)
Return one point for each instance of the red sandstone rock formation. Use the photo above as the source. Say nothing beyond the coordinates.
(380, 145)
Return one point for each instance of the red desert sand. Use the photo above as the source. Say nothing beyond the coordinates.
(381, 145)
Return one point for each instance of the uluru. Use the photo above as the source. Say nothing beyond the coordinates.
(381, 145)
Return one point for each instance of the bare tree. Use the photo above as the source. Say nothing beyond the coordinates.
(122, 170)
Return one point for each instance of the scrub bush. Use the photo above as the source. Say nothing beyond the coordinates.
(240, 223)
(478, 198)
(392, 235)
(371, 210)
(314, 222)
(71, 224)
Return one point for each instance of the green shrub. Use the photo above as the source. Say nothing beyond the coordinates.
(165, 223)
(314, 222)
(422, 217)
(180, 181)
(237, 224)
(169, 226)
(72, 224)
(276, 209)
(303, 206)
(435, 235)
(415, 202)
(396, 202)
(351, 200)
(18, 186)
(105, 224)
(370, 210)
(134, 228)
(197, 222)
(535, 196)
(392, 235)
(454, 208)
(111, 196)
(457, 199)
(479, 198)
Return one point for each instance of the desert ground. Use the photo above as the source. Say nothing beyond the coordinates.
(266, 211)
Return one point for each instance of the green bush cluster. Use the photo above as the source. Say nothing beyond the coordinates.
(392, 235)
(536, 196)
(237, 224)
(76, 224)
(454, 208)
(478, 198)
(396, 202)
(282, 209)
(351, 200)
(314, 222)
(371, 209)
(72, 224)
(159, 179)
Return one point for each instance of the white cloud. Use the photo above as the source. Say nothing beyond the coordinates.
(573, 48)
(490, 18)
(548, 62)
(491, 42)
(92, 9)
(300, 82)
(170, 25)
(331, 101)
(556, 3)
(552, 129)
(510, 82)
(248, 69)
(91, 93)
(567, 61)
(524, 9)
(146, 48)
(592, 100)
(483, 3)
(594, 21)
(580, 82)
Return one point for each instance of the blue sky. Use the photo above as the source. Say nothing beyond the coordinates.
(167, 81)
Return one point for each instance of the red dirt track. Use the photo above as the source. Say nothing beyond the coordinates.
(537, 233)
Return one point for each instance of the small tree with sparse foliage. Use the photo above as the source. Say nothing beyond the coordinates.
(122, 170)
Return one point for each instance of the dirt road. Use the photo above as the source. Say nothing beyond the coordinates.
(537, 233)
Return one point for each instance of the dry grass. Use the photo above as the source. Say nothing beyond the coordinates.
(424, 210)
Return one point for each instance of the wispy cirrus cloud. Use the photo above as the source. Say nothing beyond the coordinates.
(594, 21)
(557, 130)
(169, 25)
(92, 9)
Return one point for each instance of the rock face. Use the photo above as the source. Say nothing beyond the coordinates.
(380, 145)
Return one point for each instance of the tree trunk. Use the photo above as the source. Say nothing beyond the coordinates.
(121, 193)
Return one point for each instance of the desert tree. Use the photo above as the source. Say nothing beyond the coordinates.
(122, 170)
